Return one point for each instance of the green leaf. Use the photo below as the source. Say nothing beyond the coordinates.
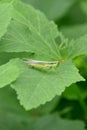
(10, 105)
(14, 117)
(31, 32)
(47, 107)
(75, 48)
(36, 87)
(6, 11)
(9, 102)
(53, 122)
(9, 72)
(53, 9)
(5, 57)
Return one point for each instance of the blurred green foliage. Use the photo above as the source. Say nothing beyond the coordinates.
(71, 18)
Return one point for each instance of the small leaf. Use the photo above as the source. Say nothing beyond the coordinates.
(6, 11)
(9, 72)
(75, 48)
(35, 87)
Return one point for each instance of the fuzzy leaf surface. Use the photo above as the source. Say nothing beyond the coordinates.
(36, 87)
(8, 73)
(6, 10)
(30, 31)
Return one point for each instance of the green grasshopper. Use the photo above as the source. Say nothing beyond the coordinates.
(41, 64)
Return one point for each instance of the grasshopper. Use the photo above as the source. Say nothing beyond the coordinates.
(41, 64)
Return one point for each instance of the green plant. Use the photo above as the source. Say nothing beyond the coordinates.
(26, 33)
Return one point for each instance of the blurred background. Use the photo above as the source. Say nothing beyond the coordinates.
(70, 15)
(71, 18)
